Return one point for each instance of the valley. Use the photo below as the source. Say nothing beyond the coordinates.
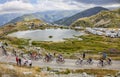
(69, 33)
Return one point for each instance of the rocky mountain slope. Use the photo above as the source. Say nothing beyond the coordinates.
(106, 19)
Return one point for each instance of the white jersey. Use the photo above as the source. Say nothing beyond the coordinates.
(29, 61)
(24, 60)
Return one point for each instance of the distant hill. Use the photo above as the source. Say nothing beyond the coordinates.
(5, 18)
(89, 12)
(106, 19)
(47, 16)
(23, 18)
(22, 25)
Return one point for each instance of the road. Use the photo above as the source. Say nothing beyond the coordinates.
(69, 63)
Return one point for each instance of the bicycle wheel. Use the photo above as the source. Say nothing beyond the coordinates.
(63, 61)
(44, 60)
(89, 63)
(100, 64)
(77, 62)
(110, 63)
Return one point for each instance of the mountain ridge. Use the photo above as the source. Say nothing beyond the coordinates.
(86, 13)
(106, 19)
(5, 18)
(48, 16)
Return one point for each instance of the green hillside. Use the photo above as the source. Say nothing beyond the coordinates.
(19, 26)
(106, 19)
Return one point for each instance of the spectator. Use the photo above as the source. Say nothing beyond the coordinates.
(17, 60)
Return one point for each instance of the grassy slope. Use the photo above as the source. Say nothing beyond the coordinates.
(102, 19)
(18, 26)
(97, 72)
(90, 43)
(18, 71)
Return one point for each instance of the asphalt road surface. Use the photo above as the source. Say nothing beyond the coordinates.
(69, 63)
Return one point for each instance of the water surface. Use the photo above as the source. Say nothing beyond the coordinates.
(44, 35)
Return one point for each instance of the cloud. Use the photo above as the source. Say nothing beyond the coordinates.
(55, 5)
(112, 6)
(20, 6)
(16, 6)
(28, 6)
(99, 2)
(103, 3)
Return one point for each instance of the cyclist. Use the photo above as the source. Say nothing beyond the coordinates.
(47, 57)
(80, 59)
(30, 62)
(84, 55)
(1, 44)
(14, 52)
(4, 50)
(89, 60)
(102, 62)
(104, 55)
(60, 57)
(40, 55)
(54, 54)
(21, 54)
(25, 61)
(109, 60)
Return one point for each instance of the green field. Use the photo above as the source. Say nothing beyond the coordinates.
(92, 44)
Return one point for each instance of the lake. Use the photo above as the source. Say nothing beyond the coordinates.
(54, 35)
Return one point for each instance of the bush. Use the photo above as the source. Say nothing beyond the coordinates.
(50, 36)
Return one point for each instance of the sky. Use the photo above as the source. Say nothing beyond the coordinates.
(28, 6)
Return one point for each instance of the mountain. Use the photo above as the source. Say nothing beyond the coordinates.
(20, 26)
(47, 16)
(23, 18)
(106, 19)
(89, 12)
(5, 18)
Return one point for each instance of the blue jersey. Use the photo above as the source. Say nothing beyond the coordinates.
(104, 55)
